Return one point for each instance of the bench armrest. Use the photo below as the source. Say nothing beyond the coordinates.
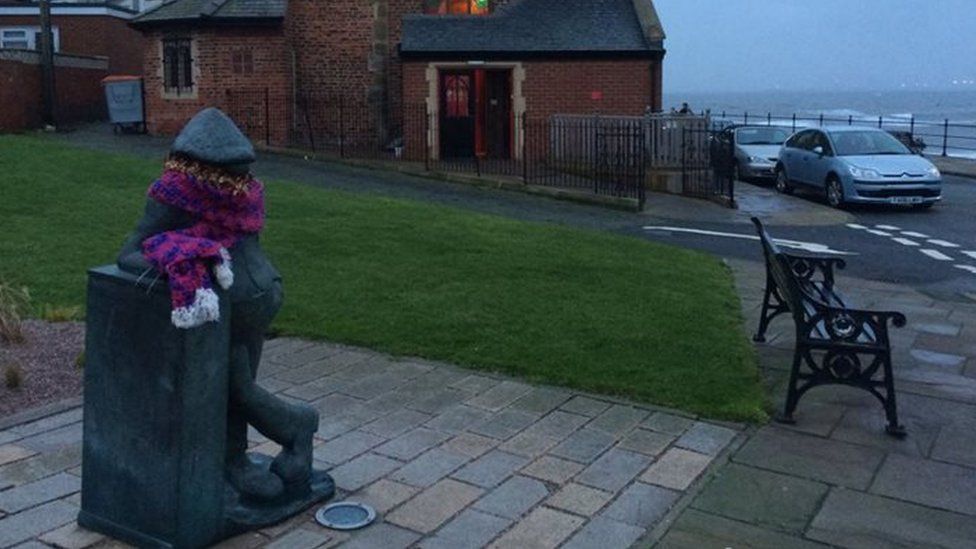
(808, 266)
(849, 324)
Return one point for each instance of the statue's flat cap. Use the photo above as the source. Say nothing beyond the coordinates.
(212, 138)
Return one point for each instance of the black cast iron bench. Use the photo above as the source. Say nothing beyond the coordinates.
(835, 343)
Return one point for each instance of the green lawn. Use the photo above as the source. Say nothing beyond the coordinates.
(582, 309)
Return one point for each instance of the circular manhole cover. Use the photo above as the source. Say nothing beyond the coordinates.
(345, 515)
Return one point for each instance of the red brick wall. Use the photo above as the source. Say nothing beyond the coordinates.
(331, 41)
(333, 44)
(567, 87)
(587, 87)
(94, 35)
(623, 87)
(79, 94)
(213, 63)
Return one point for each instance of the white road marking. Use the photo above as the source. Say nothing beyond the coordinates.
(887, 227)
(811, 247)
(943, 243)
(970, 254)
(905, 241)
(856, 226)
(937, 255)
(913, 234)
(879, 233)
(968, 268)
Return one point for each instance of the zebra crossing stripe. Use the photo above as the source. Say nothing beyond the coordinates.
(937, 255)
(943, 243)
(905, 241)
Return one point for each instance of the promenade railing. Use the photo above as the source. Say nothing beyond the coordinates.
(936, 137)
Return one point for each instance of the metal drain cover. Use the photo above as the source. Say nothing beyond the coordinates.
(345, 515)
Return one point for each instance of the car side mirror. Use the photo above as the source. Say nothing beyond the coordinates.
(818, 150)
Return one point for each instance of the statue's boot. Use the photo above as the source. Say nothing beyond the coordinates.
(290, 425)
(294, 463)
(254, 481)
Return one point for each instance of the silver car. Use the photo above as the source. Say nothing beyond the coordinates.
(756, 150)
(857, 165)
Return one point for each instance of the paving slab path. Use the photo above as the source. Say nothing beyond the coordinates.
(448, 457)
(834, 478)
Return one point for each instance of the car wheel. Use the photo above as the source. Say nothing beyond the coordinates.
(835, 192)
(783, 184)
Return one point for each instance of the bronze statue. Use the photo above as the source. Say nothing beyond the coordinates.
(200, 227)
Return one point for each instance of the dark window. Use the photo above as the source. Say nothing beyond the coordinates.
(243, 62)
(867, 142)
(469, 7)
(177, 65)
(821, 141)
(803, 140)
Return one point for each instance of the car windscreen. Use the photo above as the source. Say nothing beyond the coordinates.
(867, 142)
(761, 136)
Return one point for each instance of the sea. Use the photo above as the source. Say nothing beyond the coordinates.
(892, 110)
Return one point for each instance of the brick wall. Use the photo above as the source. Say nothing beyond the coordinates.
(79, 94)
(587, 87)
(332, 42)
(215, 74)
(614, 87)
(99, 35)
(338, 47)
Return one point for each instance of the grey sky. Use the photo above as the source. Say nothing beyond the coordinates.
(746, 45)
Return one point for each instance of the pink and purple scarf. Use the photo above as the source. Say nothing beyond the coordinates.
(223, 217)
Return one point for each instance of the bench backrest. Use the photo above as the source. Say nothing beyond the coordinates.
(778, 267)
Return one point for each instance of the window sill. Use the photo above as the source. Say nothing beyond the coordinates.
(172, 95)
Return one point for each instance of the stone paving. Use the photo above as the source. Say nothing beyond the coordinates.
(448, 457)
(834, 478)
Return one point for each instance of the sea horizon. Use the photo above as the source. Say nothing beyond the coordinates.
(957, 105)
(920, 111)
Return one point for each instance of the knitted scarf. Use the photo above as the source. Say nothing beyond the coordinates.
(225, 209)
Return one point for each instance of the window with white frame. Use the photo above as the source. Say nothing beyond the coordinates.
(26, 38)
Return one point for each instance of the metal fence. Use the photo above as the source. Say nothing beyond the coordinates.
(602, 156)
(937, 137)
(707, 163)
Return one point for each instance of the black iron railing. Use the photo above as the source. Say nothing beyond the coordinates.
(935, 137)
(602, 156)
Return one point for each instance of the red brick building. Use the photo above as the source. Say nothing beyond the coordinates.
(94, 29)
(460, 72)
(91, 40)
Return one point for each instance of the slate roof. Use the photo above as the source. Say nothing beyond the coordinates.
(215, 11)
(610, 27)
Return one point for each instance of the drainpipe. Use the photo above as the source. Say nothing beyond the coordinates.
(378, 96)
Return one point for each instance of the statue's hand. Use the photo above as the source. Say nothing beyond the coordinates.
(134, 263)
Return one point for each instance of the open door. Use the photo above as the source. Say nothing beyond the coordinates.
(457, 114)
